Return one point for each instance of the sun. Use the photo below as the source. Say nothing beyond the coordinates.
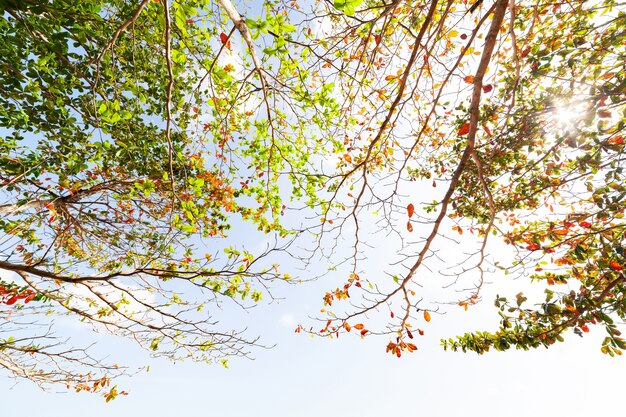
(568, 114)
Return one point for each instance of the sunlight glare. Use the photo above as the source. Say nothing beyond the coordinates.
(567, 114)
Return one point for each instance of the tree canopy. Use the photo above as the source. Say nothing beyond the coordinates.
(480, 139)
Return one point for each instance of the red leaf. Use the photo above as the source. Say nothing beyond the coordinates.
(584, 328)
(11, 300)
(533, 246)
(615, 266)
(29, 298)
(410, 210)
(409, 226)
(421, 332)
(464, 129)
(463, 36)
(363, 332)
(585, 224)
(408, 332)
(377, 38)
(487, 88)
(223, 38)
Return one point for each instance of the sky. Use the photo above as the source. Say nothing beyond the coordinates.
(305, 376)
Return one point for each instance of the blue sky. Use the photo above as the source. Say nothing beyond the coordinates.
(302, 376)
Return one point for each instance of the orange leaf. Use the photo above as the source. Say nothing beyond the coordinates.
(410, 209)
(533, 246)
(359, 326)
(347, 326)
(469, 79)
(464, 129)
(426, 316)
(390, 77)
(584, 328)
(409, 226)
(487, 131)
(615, 266)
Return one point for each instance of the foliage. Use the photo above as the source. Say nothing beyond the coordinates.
(512, 112)
(133, 134)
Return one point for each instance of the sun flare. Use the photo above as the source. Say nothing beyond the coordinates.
(567, 114)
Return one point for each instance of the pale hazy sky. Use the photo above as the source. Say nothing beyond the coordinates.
(302, 377)
(351, 377)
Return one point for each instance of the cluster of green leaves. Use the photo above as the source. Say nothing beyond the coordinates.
(132, 132)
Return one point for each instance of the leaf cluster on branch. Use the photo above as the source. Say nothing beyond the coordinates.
(135, 135)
